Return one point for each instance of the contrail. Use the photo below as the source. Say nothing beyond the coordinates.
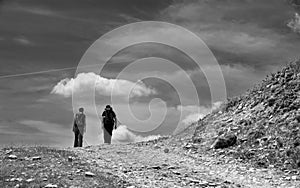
(41, 72)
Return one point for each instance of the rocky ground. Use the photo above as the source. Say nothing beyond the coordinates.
(48, 167)
(168, 162)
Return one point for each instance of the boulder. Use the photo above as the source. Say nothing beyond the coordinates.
(225, 141)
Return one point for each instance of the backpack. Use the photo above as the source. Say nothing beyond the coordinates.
(109, 117)
(79, 119)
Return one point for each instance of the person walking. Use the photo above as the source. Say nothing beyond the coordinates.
(109, 122)
(79, 127)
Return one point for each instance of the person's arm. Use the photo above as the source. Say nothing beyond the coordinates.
(102, 120)
(74, 122)
(116, 121)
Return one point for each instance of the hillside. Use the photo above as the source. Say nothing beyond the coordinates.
(262, 124)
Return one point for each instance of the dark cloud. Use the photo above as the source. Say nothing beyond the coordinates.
(251, 33)
(138, 51)
(55, 34)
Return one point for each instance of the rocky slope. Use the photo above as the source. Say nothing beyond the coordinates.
(262, 126)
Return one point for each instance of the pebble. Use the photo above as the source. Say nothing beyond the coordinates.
(12, 157)
(202, 183)
(7, 152)
(36, 158)
(294, 178)
(89, 174)
(51, 186)
(287, 178)
(29, 180)
(155, 167)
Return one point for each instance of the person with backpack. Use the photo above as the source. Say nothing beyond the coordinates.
(79, 127)
(109, 122)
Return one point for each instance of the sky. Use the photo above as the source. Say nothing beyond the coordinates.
(43, 41)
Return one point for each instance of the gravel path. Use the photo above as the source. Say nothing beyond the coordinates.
(176, 163)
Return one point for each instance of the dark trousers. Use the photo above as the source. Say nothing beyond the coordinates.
(78, 138)
(107, 132)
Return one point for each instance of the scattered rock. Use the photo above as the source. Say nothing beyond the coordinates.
(36, 158)
(13, 157)
(89, 174)
(51, 186)
(155, 167)
(29, 180)
(176, 172)
(294, 177)
(7, 152)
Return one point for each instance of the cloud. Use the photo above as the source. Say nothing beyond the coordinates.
(123, 135)
(35, 10)
(23, 41)
(193, 113)
(104, 86)
(192, 118)
(242, 28)
(294, 24)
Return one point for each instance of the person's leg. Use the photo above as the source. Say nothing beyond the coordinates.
(105, 136)
(76, 138)
(80, 139)
(109, 136)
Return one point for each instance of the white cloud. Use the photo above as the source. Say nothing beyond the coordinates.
(123, 135)
(193, 113)
(87, 81)
(192, 118)
(294, 24)
(23, 41)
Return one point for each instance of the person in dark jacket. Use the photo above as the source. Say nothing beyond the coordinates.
(109, 122)
(79, 127)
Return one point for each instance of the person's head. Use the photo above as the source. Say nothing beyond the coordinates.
(108, 107)
(81, 110)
